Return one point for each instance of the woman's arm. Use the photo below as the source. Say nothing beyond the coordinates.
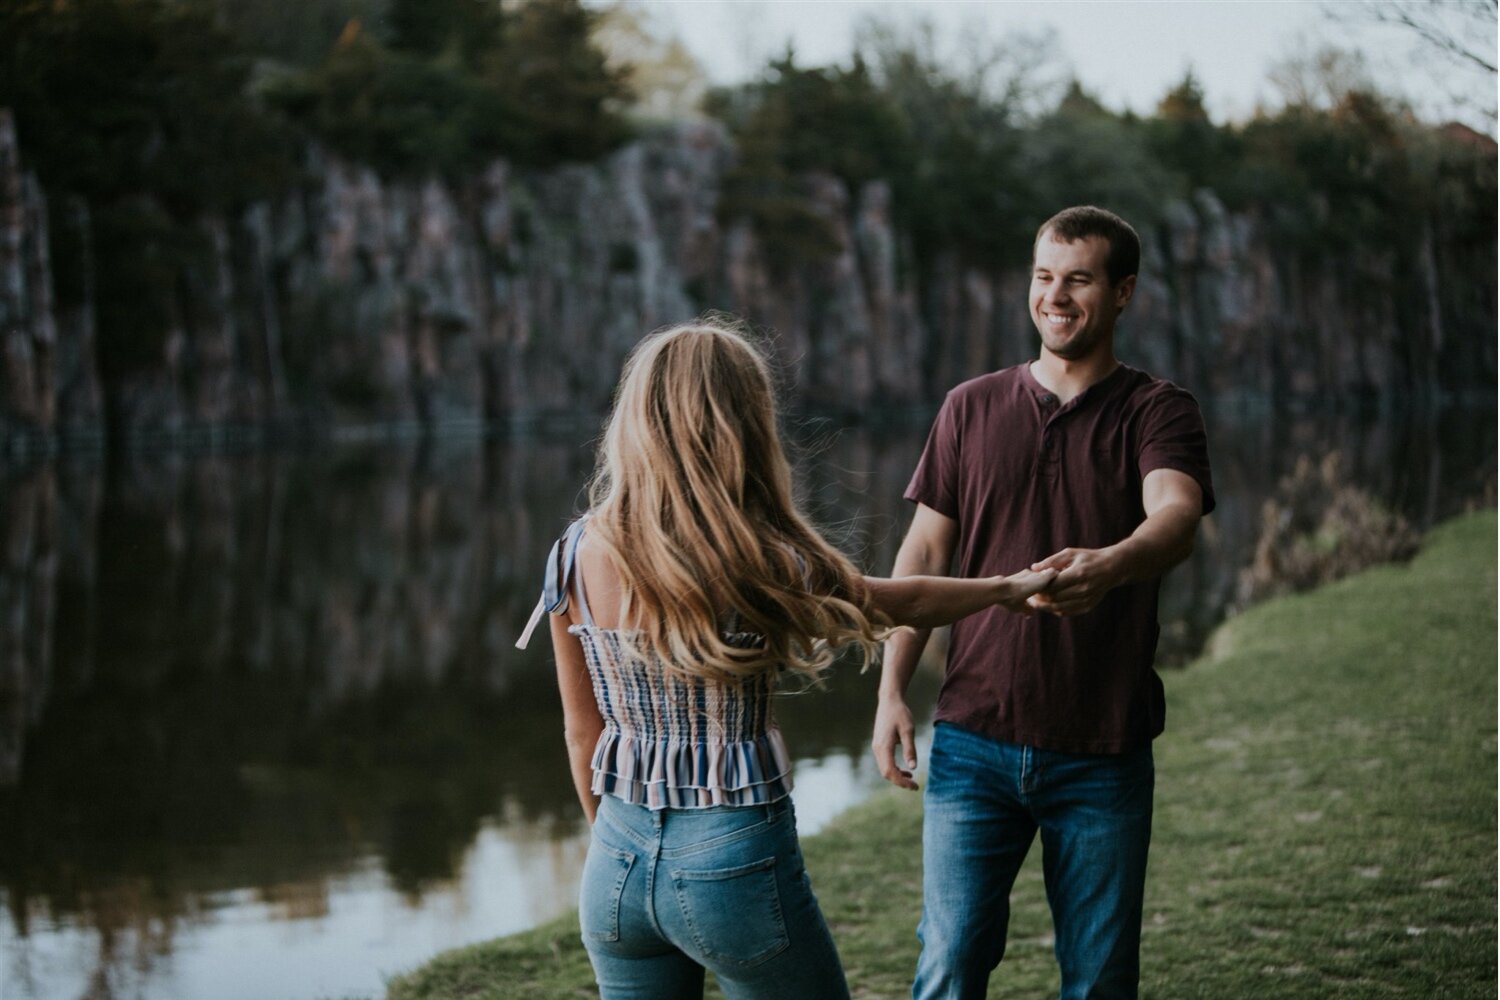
(582, 722)
(929, 601)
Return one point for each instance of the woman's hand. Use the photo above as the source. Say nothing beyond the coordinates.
(930, 601)
(1016, 588)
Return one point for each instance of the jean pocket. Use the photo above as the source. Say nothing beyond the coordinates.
(958, 761)
(605, 870)
(734, 914)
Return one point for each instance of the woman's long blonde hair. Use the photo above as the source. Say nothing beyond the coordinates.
(692, 501)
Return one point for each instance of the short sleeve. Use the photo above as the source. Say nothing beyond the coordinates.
(1173, 437)
(935, 481)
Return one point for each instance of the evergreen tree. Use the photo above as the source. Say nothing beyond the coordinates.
(1185, 141)
(555, 85)
(138, 108)
(462, 82)
(428, 27)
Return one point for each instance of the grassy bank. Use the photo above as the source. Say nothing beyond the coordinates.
(1325, 817)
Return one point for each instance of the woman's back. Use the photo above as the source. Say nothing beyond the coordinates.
(672, 738)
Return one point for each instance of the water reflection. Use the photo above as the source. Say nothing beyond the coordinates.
(263, 731)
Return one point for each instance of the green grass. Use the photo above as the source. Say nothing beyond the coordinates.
(1325, 817)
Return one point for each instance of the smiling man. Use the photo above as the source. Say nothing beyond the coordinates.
(1048, 709)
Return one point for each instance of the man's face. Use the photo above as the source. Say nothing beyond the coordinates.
(1072, 302)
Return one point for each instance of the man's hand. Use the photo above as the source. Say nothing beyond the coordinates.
(927, 550)
(1021, 586)
(1173, 502)
(894, 731)
(1084, 576)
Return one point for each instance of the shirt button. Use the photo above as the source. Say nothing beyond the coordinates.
(1048, 398)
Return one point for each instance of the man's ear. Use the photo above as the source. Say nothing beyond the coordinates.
(1124, 290)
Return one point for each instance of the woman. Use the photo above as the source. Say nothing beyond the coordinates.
(692, 589)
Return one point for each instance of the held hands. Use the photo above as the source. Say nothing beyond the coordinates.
(1018, 588)
(1084, 576)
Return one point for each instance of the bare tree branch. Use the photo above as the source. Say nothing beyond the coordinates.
(1463, 30)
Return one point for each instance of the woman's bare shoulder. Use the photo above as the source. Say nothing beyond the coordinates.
(600, 579)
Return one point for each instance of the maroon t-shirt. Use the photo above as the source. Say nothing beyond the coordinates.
(1024, 477)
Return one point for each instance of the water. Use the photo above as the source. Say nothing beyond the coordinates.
(263, 734)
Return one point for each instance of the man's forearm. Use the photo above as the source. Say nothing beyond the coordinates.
(903, 651)
(1160, 542)
(1173, 509)
(927, 550)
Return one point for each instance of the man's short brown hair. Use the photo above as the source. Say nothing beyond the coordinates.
(1082, 221)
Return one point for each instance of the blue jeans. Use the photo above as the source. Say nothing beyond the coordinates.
(984, 803)
(670, 893)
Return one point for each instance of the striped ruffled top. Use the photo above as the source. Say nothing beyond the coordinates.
(671, 742)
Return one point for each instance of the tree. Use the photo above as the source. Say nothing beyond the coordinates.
(1084, 154)
(400, 112)
(292, 34)
(460, 83)
(1462, 31)
(965, 185)
(428, 27)
(796, 121)
(1319, 78)
(138, 108)
(1455, 40)
(550, 76)
(665, 81)
(1184, 102)
(1185, 141)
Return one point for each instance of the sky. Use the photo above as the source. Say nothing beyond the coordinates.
(1127, 53)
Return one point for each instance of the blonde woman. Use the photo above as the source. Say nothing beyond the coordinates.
(692, 589)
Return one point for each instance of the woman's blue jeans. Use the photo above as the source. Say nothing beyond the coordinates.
(670, 893)
(984, 803)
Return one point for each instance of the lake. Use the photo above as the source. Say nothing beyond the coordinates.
(263, 733)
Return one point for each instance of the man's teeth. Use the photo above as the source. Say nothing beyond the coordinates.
(1059, 320)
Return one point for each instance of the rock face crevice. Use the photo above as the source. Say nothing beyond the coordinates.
(357, 302)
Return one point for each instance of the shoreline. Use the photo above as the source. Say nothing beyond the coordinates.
(1325, 818)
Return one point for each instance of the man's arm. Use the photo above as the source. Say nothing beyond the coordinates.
(927, 550)
(1174, 505)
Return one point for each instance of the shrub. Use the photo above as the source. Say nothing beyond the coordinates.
(1318, 527)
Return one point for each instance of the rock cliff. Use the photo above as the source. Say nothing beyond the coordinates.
(357, 302)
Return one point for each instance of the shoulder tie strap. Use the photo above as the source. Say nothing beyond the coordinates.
(554, 599)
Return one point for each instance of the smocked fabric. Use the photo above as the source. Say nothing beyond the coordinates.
(680, 743)
(669, 741)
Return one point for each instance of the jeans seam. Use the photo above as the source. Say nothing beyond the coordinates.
(625, 861)
(622, 830)
(653, 861)
(722, 840)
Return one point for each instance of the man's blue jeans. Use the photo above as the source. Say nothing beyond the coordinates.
(984, 803)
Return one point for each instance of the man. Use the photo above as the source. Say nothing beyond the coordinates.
(1048, 709)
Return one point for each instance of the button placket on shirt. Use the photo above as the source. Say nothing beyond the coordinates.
(1049, 449)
